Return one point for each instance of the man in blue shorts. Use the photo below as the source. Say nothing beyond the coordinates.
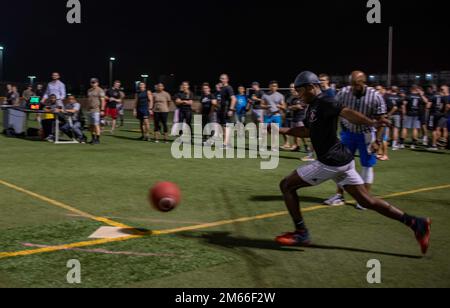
(274, 103)
(362, 138)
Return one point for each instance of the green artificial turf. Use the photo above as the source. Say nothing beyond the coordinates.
(112, 180)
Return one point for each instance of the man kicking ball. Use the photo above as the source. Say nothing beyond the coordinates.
(335, 162)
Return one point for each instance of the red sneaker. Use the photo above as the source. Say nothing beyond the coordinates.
(423, 233)
(298, 238)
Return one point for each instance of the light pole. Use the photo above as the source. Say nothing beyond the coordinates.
(111, 67)
(1, 62)
(32, 78)
(145, 76)
(390, 49)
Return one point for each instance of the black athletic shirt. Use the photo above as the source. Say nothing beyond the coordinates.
(414, 105)
(322, 120)
(437, 105)
(256, 104)
(225, 98)
(446, 102)
(295, 115)
(206, 101)
(11, 98)
(113, 93)
(394, 100)
(185, 97)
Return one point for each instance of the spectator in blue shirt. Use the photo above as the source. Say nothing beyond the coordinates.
(325, 85)
(241, 105)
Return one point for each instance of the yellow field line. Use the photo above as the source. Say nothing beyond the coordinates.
(191, 228)
(63, 206)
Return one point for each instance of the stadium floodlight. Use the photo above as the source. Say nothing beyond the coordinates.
(429, 77)
(145, 77)
(32, 78)
(418, 76)
(111, 68)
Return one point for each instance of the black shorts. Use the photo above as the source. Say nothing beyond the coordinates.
(143, 115)
(224, 119)
(437, 121)
(424, 118)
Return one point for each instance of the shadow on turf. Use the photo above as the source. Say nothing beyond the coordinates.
(280, 198)
(225, 239)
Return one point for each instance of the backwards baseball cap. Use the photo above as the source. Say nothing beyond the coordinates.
(94, 80)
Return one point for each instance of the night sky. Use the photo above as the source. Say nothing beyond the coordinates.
(197, 40)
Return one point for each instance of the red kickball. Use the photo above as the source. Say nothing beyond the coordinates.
(165, 196)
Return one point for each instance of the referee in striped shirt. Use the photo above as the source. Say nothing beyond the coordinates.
(364, 139)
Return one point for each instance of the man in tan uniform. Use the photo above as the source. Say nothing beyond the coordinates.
(161, 109)
(96, 108)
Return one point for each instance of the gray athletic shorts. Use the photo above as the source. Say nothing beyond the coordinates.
(412, 122)
(396, 120)
(317, 173)
(94, 118)
(443, 123)
(297, 124)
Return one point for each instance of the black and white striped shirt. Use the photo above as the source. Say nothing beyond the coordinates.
(371, 104)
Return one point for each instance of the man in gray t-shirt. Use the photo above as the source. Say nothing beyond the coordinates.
(72, 126)
(274, 103)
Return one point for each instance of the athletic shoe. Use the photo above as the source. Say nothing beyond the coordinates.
(422, 230)
(402, 147)
(50, 138)
(413, 146)
(425, 141)
(433, 148)
(336, 200)
(360, 208)
(396, 148)
(298, 238)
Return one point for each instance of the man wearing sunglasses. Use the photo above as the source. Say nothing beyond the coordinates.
(335, 162)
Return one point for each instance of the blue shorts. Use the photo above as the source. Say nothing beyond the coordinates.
(361, 143)
(273, 119)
